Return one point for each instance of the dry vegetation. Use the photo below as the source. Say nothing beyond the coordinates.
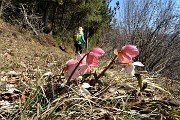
(154, 27)
(37, 94)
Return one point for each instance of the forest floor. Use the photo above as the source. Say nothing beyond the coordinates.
(31, 83)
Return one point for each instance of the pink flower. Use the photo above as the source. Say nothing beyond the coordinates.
(92, 57)
(86, 64)
(98, 51)
(126, 53)
(90, 61)
(69, 68)
(84, 68)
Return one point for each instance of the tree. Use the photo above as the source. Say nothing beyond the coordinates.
(63, 16)
(152, 26)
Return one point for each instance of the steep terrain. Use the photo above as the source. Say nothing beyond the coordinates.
(20, 49)
(30, 91)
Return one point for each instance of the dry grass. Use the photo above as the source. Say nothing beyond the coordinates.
(116, 96)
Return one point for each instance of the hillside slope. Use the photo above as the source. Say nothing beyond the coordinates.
(116, 96)
(23, 48)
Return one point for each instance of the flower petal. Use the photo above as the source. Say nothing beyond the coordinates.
(67, 74)
(124, 59)
(130, 69)
(84, 92)
(98, 51)
(71, 62)
(70, 66)
(83, 69)
(92, 59)
(138, 64)
(80, 56)
(130, 50)
(116, 52)
(86, 85)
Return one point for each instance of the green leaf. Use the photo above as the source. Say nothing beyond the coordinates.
(94, 74)
(85, 76)
(144, 86)
(102, 82)
(139, 79)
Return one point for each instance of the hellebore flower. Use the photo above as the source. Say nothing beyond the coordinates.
(130, 69)
(69, 68)
(98, 51)
(92, 57)
(90, 60)
(126, 53)
(87, 61)
(84, 68)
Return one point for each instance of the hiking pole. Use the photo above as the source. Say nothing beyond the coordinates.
(87, 45)
(87, 40)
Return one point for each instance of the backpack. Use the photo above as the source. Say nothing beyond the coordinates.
(77, 37)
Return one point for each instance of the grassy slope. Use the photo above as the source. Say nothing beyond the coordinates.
(18, 48)
(116, 98)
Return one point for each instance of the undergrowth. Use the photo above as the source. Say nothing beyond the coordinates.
(38, 89)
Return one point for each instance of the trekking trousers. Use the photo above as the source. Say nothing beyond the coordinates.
(78, 48)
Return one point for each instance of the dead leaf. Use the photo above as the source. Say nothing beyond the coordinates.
(13, 80)
(7, 96)
(7, 55)
(21, 99)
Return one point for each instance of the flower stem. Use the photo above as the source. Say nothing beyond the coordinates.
(107, 67)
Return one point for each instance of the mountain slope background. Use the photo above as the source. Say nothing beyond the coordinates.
(19, 47)
(35, 96)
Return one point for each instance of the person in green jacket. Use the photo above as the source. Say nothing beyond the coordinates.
(78, 40)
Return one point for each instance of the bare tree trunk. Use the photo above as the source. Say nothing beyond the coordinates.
(46, 15)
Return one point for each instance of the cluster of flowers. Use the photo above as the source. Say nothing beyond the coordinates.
(84, 62)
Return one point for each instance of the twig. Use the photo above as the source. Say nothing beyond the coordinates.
(26, 18)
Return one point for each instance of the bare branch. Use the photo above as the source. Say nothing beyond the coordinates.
(26, 19)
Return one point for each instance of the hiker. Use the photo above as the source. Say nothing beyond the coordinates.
(78, 40)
